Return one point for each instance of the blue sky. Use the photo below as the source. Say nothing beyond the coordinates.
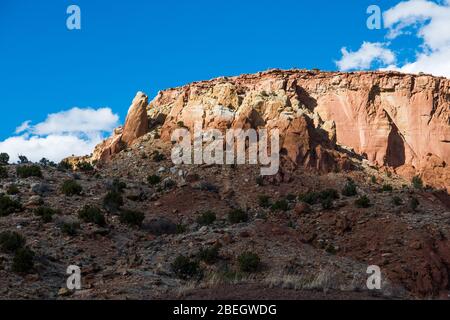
(127, 46)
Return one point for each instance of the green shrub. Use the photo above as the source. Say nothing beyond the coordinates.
(280, 205)
(29, 171)
(113, 201)
(70, 228)
(373, 179)
(118, 186)
(249, 262)
(264, 201)
(206, 218)
(153, 179)
(23, 159)
(387, 188)
(3, 173)
(291, 197)
(158, 157)
(260, 181)
(64, 165)
(417, 182)
(92, 214)
(45, 213)
(85, 166)
(12, 189)
(209, 255)
(414, 203)
(329, 194)
(185, 268)
(237, 216)
(327, 203)
(11, 241)
(180, 228)
(71, 188)
(23, 260)
(350, 189)
(310, 198)
(44, 162)
(4, 158)
(132, 218)
(363, 202)
(8, 206)
(397, 201)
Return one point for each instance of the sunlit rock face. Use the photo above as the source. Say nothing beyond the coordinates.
(392, 119)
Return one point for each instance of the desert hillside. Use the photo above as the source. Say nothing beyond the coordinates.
(363, 181)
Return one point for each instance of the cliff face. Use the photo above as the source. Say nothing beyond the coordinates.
(392, 119)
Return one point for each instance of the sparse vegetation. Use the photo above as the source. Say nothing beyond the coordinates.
(417, 182)
(11, 241)
(249, 262)
(92, 214)
(310, 198)
(387, 188)
(8, 206)
(350, 189)
(363, 202)
(237, 216)
(158, 157)
(206, 218)
(264, 201)
(209, 255)
(414, 203)
(23, 260)
(132, 218)
(70, 228)
(280, 205)
(185, 268)
(45, 213)
(29, 171)
(64, 165)
(117, 185)
(397, 201)
(327, 203)
(153, 179)
(12, 189)
(113, 201)
(3, 173)
(260, 181)
(85, 166)
(71, 188)
(181, 228)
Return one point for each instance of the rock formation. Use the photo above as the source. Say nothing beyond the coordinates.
(136, 125)
(392, 119)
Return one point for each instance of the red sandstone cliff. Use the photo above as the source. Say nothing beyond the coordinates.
(392, 119)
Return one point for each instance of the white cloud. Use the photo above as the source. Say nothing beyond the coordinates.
(426, 20)
(365, 56)
(72, 132)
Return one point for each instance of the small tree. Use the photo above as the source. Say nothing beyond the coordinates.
(71, 188)
(4, 158)
(249, 262)
(417, 182)
(22, 159)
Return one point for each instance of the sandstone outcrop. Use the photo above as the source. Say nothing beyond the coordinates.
(389, 118)
(136, 125)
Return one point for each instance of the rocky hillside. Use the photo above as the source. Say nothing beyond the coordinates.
(391, 119)
(140, 227)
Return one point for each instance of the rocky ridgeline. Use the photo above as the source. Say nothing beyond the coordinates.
(396, 120)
